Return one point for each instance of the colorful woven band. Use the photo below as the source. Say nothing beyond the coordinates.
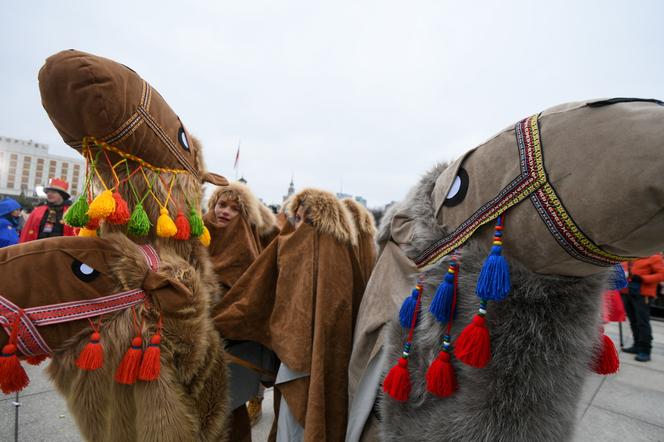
(532, 182)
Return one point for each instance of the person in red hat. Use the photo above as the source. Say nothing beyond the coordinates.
(46, 221)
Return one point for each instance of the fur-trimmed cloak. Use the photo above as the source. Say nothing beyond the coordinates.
(300, 298)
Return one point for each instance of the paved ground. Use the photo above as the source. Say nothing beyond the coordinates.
(628, 406)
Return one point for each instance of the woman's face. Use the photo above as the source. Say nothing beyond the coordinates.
(16, 213)
(225, 210)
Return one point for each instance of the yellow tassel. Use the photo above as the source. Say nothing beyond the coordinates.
(205, 237)
(87, 232)
(102, 206)
(165, 225)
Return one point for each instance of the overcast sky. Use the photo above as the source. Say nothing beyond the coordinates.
(364, 95)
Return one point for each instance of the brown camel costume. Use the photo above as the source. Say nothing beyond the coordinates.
(153, 369)
(232, 250)
(300, 298)
(566, 194)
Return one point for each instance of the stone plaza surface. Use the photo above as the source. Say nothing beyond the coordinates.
(628, 406)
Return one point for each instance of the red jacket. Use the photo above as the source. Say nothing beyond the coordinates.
(30, 230)
(651, 271)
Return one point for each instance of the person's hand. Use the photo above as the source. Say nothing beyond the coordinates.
(636, 278)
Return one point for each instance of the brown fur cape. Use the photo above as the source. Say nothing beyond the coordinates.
(300, 298)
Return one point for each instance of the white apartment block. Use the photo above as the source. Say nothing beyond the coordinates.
(24, 165)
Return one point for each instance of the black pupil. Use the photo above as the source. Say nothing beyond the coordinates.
(182, 138)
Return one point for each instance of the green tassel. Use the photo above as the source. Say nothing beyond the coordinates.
(139, 223)
(196, 222)
(77, 214)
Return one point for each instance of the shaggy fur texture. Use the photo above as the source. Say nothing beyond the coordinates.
(189, 400)
(542, 339)
(252, 209)
(364, 220)
(325, 212)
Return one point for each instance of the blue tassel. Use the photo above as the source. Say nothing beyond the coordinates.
(408, 308)
(618, 280)
(441, 306)
(494, 281)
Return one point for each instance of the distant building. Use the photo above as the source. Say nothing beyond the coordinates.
(291, 190)
(341, 195)
(24, 165)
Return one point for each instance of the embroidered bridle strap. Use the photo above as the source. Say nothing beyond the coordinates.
(30, 342)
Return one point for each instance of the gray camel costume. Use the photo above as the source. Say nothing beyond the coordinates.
(575, 190)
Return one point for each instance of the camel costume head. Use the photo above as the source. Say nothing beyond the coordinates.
(507, 251)
(125, 315)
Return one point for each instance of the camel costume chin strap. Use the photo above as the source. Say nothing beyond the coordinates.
(28, 339)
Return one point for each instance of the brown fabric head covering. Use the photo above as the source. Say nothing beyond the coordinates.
(300, 298)
(577, 184)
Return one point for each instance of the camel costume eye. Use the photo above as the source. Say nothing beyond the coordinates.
(83, 271)
(458, 190)
(182, 139)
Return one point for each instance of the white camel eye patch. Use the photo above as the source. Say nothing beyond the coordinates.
(83, 271)
(458, 190)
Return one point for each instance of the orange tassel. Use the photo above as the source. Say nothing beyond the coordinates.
(13, 377)
(165, 226)
(440, 376)
(606, 361)
(35, 360)
(121, 213)
(473, 346)
(92, 355)
(102, 206)
(127, 372)
(151, 363)
(184, 230)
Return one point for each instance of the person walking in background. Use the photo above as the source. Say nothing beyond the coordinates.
(9, 217)
(46, 221)
(643, 276)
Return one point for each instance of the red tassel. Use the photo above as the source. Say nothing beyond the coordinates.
(397, 381)
(35, 360)
(151, 363)
(184, 229)
(440, 376)
(606, 360)
(92, 355)
(473, 346)
(13, 377)
(127, 371)
(121, 213)
(93, 224)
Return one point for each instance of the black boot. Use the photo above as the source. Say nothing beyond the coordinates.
(632, 350)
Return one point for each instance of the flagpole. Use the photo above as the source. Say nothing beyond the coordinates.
(237, 158)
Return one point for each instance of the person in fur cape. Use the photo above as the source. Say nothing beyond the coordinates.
(506, 253)
(300, 299)
(240, 226)
(134, 351)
